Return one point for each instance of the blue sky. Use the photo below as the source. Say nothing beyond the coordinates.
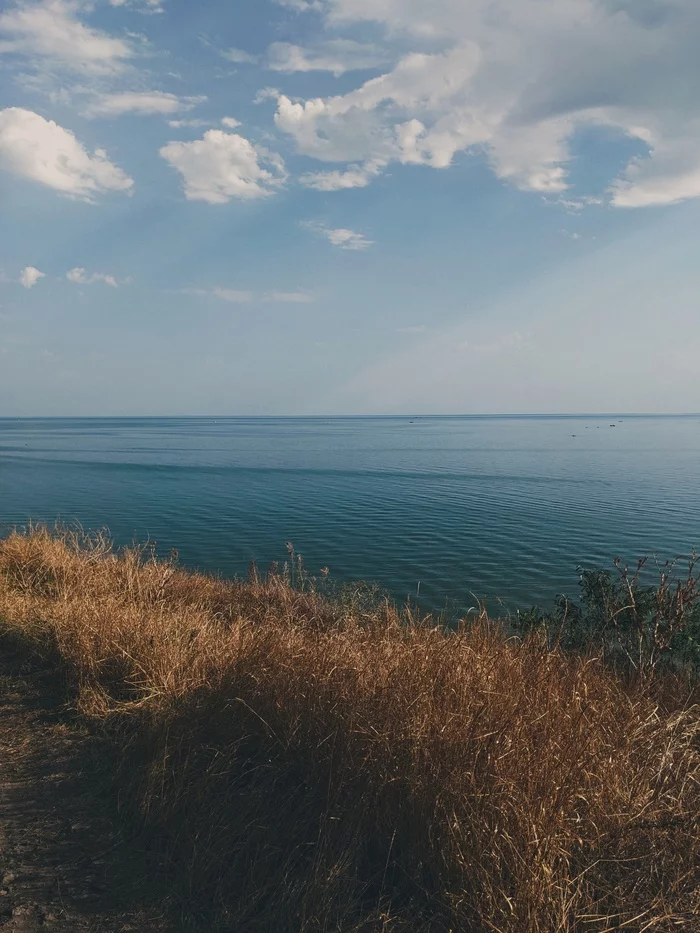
(349, 206)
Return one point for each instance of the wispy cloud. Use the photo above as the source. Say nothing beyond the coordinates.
(334, 55)
(339, 236)
(354, 176)
(79, 276)
(181, 124)
(231, 295)
(139, 102)
(143, 6)
(298, 298)
(238, 56)
(243, 296)
(52, 31)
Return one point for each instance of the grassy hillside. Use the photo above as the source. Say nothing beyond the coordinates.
(310, 764)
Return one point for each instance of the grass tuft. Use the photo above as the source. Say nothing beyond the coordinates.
(311, 764)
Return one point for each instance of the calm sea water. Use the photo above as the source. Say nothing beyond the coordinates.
(498, 507)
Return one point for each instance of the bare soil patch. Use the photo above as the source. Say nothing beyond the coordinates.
(65, 862)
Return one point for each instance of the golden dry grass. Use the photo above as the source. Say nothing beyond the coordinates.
(316, 766)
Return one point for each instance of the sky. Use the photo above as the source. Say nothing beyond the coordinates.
(263, 207)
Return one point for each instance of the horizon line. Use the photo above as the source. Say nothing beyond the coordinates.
(215, 417)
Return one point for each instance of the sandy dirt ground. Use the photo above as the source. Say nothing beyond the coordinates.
(65, 864)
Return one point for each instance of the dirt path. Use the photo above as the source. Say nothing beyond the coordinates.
(64, 864)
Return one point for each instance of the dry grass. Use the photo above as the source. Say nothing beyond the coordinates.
(310, 766)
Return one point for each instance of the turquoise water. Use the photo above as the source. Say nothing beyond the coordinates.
(447, 507)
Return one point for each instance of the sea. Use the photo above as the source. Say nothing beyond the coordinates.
(443, 511)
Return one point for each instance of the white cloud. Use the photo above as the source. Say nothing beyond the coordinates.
(266, 93)
(239, 57)
(669, 175)
(43, 151)
(339, 236)
(302, 6)
(80, 277)
(232, 295)
(139, 102)
(516, 80)
(143, 6)
(230, 122)
(180, 124)
(379, 122)
(222, 166)
(30, 276)
(354, 176)
(297, 298)
(334, 55)
(51, 30)
(238, 296)
(574, 206)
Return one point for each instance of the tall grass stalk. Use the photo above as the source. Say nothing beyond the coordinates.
(311, 764)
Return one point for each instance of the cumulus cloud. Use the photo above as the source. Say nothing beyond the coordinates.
(222, 166)
(80, 277)
(334, 55)
(339, 236)
(43, 151)
(230, 122)
(516, 80)
(51, 30)
(139, 102)
(30, 276)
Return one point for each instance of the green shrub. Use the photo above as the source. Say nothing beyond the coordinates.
(634, 624)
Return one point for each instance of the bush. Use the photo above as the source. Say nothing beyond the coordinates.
(636, 627)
